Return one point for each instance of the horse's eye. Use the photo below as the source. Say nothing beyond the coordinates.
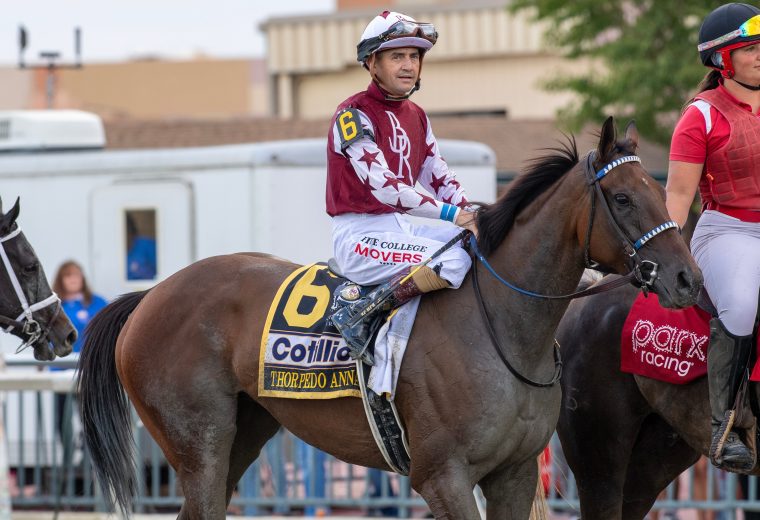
(622, 199)
(31, 268)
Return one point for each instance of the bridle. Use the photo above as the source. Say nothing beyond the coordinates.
(643, 273)
(24, 323)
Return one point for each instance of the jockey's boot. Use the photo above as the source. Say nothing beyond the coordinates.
(356, 321)
(727, 375)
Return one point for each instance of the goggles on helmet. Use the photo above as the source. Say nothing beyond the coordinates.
(749, 28)
(404, 28)
(400, 29)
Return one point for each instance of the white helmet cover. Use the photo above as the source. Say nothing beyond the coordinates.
(378, 35)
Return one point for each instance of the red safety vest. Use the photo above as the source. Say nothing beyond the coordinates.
(731, 178)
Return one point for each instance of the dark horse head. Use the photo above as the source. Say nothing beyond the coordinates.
(618, 215)
(637, 216)
(28, 307)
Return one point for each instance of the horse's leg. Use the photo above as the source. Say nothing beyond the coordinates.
(194, 425)
(205, 450)
(255, 426)
(446, 489)
(597, 437)
(510, 490)
(658, 457)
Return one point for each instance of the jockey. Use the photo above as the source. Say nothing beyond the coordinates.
(715, 149)
(379, 146)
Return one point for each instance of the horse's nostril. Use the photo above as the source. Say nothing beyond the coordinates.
(71, 338)
(689, 283)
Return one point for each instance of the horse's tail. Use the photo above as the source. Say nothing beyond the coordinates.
(104, 406)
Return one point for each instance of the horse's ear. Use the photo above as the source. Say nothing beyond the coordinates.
(632, 134)
(13, 213)
(607, 140)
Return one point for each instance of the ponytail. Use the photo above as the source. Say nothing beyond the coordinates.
(709, 82)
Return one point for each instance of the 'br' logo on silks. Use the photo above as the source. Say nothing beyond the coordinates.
(399, 143)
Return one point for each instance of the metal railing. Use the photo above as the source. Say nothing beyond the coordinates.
(50, 468)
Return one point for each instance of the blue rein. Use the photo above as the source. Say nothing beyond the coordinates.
(635, 246)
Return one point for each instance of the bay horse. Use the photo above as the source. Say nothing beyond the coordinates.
(187, 351)
(625, 436)
(28, 307)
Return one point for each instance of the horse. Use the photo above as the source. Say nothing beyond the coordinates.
(28, 307)
(625, 436)
(186, 352)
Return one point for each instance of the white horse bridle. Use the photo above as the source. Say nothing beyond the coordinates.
(29, 326)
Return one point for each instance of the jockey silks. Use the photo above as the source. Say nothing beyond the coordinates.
(732, 173)
(377, 150)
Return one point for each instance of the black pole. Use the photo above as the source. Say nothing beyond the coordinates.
(22, 42)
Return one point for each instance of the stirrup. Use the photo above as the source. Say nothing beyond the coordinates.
(361, 353)
(353, 335)
(724, 435)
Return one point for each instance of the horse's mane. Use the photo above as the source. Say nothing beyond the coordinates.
(495, 220)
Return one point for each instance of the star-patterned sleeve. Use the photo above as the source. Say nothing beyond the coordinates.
(370, 166)
(437, 177)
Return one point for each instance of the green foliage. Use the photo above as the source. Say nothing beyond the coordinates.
(645, 51)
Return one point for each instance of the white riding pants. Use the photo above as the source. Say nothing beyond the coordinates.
(370, 249)
(727, 251)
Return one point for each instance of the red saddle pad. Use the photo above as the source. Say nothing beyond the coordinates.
(667, 345)
(664, 344)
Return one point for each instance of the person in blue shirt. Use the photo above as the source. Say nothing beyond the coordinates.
(77, 300)
(80, 304)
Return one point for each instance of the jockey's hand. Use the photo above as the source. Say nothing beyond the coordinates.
(466, 219)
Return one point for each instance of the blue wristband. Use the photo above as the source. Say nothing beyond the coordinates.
(448, 212)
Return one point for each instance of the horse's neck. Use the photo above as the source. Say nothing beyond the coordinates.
(540, 254)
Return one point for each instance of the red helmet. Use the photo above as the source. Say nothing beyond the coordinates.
(728, 27)
(391, 30)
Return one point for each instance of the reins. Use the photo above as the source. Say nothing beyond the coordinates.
(644, 272)
(500, 350)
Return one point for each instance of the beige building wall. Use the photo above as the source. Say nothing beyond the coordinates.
(513, 87)
(486, 60)
(161, 89)
(16, 91)
(259, 95)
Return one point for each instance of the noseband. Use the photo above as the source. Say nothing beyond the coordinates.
(25, 321)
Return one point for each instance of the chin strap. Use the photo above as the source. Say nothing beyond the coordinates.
(729, 74)
(745, 85)
(388, 97)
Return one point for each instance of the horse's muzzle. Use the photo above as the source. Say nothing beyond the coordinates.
(679, 290)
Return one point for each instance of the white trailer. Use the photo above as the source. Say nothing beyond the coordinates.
(79, 202)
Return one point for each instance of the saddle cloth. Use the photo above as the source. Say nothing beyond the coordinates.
(665, 344)
(302, 354)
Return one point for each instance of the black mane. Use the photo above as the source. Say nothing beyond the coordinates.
(495, 220)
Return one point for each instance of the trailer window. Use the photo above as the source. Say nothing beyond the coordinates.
(141, 243)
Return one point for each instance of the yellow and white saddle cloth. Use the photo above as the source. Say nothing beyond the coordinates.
(303, 356)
